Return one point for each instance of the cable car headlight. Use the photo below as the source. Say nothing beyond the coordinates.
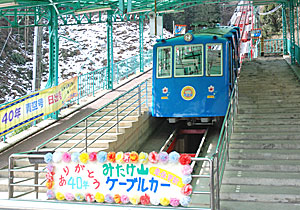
(188, 37)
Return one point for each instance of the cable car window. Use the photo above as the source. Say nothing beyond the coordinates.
(188, 60)
(214, 60)
(164, 62)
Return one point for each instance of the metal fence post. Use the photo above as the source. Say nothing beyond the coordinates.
(86, 136)
(140, 108)
(36, 180)
(212, 185)
(117, 115)
(218, 183)
(10, 177)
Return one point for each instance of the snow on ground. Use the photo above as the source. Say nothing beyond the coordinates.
(83, 48)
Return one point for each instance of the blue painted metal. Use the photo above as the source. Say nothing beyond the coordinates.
(167, 99)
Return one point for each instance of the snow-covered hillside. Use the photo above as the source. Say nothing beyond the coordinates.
(82, 49)
(87, 51)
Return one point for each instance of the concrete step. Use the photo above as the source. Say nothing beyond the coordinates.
(266, 122)
(269, 111)
(245, 100)
(24, 173)
(263, 165)
(99, 130)
(266, 128)
(264, 144)
(264, 154)
(261, 178)
(256, 205)
(80, 136)
(131, 117)
(270, 105)
(82, 149)
(266, 136)
(276, 194)
(69, 144)
(277, 116)
(4, 185)
(123, 123)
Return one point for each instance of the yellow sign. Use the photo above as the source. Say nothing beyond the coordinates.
(210, 96)
(167, 176)
(36, 105)
(188, 93)
(164, 97)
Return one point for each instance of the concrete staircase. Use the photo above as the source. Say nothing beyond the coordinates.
(264, 167)
(132, 133)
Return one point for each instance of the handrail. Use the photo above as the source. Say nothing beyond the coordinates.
(87, 117)
(93, 81)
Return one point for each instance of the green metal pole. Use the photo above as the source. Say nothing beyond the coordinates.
(292, 31)
(284, 29)
(110, 56)
(141, 24)
(297, 25)
(53, 53)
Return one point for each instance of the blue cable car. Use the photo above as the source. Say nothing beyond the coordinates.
(193, 75)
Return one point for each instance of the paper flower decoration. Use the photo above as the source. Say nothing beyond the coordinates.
(50, 194)
(187, 189)
(124, 199)
(50, 167)
(93, 156)
(84, 157)
(99, 197)
(119, 157)
(75, 157)
(187, 170)
(174, 157)
(153, 157)
(89, 197)
(164, 201)
(49, 176)
(154, 200)
(111, 157)
(59, 196)
(66, 157)
(185, 201)
(117, 198)
(126, 157)
(174, 202)
(102, 157)
(134, 157)
(163, 157)
(49, 185)
(134, 199)
(69, 196)
(186, 179)
(48, 157)
(143, 157)
(145, 199)
(109, 198)
(79, 197)
(57, 156)
(184, 159)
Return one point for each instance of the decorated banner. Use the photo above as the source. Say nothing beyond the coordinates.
(179, 29)
(36, 105)
(154, 178)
